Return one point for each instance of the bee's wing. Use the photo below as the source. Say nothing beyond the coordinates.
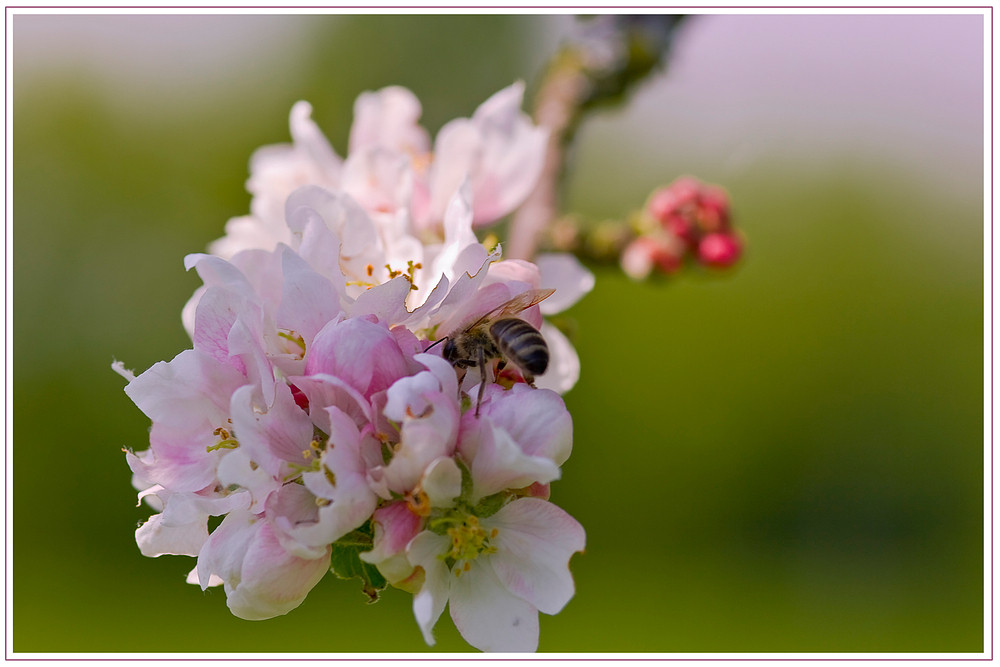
(512, 307)
(522, 301)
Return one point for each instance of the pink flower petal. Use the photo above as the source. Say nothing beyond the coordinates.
(395, 525)
(389, 118)
(190, 390)
(499, 148)
(261, 579)
(323, 391)
(386, 302)
(378, 179)
(274, 437)
(536, 419)
(363, 354)
(497, 460)
(308, 299)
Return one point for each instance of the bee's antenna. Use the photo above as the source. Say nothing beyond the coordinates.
(439, 340)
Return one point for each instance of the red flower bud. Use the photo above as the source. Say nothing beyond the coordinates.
(712, 212)
(720, 249)
(682, 228)
(671, 199)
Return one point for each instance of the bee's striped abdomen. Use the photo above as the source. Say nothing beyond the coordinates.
(521, 343)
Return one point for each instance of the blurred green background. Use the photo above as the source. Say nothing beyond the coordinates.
(785, 458)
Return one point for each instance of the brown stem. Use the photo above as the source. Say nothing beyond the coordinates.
(556, 109)
(579, 78)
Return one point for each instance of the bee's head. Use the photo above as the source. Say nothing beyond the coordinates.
(450, 351)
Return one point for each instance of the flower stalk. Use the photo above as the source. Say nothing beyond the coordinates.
(611, 55)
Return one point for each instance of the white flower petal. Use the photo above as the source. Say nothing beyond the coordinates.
(534, 542)
(564, 363)
(156, 539)
(442, 482)
(192, 578)
(237, 468)
(428, 603)
(311, 141)
(488, 615)
(564, 273)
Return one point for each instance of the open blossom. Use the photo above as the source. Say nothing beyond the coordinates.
(399, 207)
(314, 403)
(487, 546)
(497, 573)
(392, 170)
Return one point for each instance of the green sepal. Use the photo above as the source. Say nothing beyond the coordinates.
(386, 451)
(346, 563)
(466, 493)
(490, 505)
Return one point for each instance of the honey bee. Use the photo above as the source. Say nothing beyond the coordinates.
(500, 335)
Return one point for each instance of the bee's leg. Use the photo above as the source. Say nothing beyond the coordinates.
(529, 378)
(482, 378)
(460, 372)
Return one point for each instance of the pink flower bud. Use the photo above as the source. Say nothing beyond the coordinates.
(662, 204)
(687, 208)
(712, 213)
(646, 253)
(671, 199)
(720, 249)
(682, 228)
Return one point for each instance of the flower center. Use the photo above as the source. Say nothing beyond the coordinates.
(468, 541)
(291, 343)
(226, 440)
(409, 274)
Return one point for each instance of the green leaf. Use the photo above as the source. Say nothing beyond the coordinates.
(346, 563)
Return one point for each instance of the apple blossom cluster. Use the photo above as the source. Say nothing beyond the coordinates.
(686, 219)
(315, 414)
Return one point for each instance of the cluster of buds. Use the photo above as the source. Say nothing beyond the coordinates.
(686, 220)
(315, 411)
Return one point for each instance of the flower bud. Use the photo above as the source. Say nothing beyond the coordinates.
(688, 207)
(673, 198)
(720, 249)
(712, 212)
(648, 252)
(683, 228)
